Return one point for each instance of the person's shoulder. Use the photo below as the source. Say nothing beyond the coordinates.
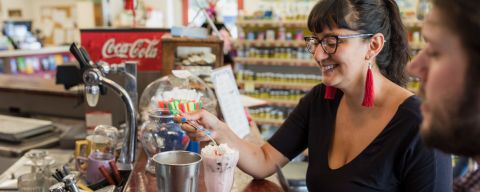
(410, 108)
(315, 92)
(318, 89)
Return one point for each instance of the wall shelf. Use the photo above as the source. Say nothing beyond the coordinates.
(272, 23)
(413, 24)
(281, 103)
(280, 85)
(270, 43)
(276, 123)
(276, 62)
(416, 46)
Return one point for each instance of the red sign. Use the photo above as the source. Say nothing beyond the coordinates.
(119, 45)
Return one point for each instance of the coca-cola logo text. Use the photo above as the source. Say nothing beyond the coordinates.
(140, 48)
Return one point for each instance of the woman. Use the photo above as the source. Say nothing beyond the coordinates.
(360, 125)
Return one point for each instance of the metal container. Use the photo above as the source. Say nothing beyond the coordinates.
(177, 171)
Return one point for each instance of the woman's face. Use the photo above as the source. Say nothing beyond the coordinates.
(347, 66)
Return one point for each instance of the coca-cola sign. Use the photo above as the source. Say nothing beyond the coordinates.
(141, 48)
(116, 46)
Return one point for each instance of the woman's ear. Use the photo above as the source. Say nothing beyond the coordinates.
(376, 45)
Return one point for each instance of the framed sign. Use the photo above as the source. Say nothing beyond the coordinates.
(119, 45)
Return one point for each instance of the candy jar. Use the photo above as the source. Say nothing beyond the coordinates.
(179, 92)
(160, 133)
(180, 89)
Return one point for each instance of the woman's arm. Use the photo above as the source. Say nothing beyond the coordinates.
(255, 160)
(260, 161)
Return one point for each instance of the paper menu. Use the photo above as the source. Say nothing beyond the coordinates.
(229, 99)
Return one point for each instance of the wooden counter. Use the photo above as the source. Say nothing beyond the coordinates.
(34, 85)
(142, 181)
(37, 95)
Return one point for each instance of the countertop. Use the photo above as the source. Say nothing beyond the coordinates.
(38, 85)
(142, 181)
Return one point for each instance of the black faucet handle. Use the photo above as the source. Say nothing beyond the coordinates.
(85, 54)
(79, 56)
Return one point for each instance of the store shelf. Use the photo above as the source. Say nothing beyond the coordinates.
(416, 46)
(43, 51)
(276, 62)
(279, 85)
(281, 103)
(272, 23)
(270, 43)
(413, 24)
(268, 122)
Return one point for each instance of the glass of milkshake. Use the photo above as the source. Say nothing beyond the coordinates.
(219, 164)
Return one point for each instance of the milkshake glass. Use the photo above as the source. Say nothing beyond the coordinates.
(219, 164)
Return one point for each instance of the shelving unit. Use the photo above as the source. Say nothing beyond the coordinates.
(413, 24)
(271, 63)
(34, 63)
(416, 43)
(275, 62)
(271, 23)
(270, 43)
(277, 123)
(171, 45)
(278, 85)
(281, 103)
(413, 27)
(417, 46)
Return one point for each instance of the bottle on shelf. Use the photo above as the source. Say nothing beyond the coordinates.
(275, 43)
(269, 77)
(275, 53)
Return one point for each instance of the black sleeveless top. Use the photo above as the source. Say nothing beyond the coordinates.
(396, 160)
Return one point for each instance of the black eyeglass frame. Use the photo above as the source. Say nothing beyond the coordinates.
(321, 42)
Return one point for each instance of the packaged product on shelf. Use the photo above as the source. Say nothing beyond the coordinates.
(270, 35)
(299, 35)
(241, 34)
(281, 34)
(251, 36)
(248, 75)
(288, 36)
(261, 36)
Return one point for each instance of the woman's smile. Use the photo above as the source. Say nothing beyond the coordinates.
(329, 68)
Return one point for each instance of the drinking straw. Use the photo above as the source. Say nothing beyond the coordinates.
(115, 171)
(105, 174)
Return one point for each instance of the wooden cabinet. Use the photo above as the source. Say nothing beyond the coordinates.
(174, 50)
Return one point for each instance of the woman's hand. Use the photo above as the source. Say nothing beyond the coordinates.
(200, 123)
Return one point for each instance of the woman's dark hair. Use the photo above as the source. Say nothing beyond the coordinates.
(368, 16)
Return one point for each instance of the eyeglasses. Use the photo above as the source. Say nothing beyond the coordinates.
(329, 43)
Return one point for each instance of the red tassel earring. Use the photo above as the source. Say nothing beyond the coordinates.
(368, 98)
(330, 92)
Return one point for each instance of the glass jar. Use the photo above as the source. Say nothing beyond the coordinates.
(161, 100)
(180, 85)
(160, 133)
